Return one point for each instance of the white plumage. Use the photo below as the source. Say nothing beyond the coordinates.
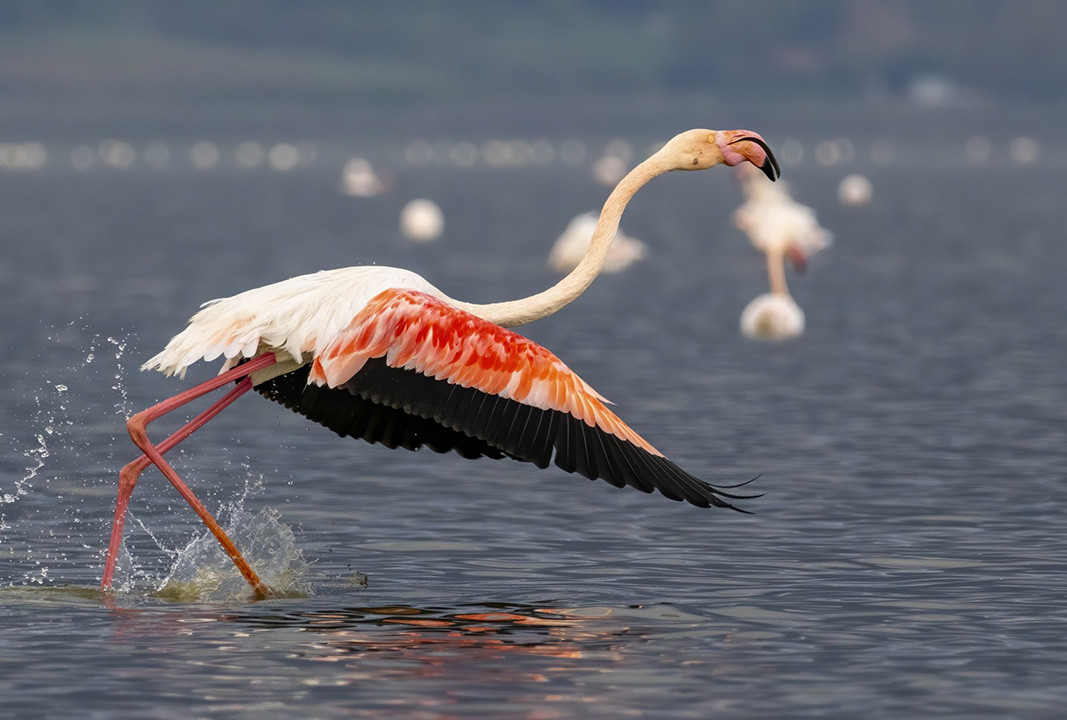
(854, 190)
(421, 220)
(573, 243)
(776, 223)
(291, 318)
(359, 179)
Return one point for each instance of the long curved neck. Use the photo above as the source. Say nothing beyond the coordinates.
(543, 304)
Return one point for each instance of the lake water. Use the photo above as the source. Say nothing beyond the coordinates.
(908, 557)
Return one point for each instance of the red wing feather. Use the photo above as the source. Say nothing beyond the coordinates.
(416, 331)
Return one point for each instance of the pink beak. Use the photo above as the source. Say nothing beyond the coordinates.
(770, 165)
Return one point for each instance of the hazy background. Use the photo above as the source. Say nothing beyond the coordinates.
(326, 67)
(907, 557)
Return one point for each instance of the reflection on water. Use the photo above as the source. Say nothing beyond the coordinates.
(905, 559)
(429, 634)
(478, 651)
(546, 659)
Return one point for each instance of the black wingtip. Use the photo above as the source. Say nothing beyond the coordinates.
(720, 493)
(740, 484)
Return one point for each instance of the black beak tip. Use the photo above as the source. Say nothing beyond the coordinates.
(770, 164)
(770, 168)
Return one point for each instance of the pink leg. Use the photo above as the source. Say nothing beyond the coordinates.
(129, 475)
(154, 454)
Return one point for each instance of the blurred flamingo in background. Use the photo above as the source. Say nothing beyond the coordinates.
(779, 227)
(381, 354)
(360, 179)
(421, 220)
(573, 244)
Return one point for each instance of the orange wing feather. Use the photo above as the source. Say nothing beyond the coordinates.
(416, 331)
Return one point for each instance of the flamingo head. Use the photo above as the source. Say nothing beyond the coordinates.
(702, 149)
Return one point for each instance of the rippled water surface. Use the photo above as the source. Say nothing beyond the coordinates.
(907, 558)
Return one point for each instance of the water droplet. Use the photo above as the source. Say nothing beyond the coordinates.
(61, 387)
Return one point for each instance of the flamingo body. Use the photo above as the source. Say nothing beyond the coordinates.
(409, 370)
(573, 244)
(776, 224)
(783, 227)
(381, 354)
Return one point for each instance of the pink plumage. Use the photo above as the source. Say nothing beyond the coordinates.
(416, 331)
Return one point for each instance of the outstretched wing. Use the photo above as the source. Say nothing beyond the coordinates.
(411, 370)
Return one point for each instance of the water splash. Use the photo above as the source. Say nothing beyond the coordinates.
(122, 405)
(42, 506)
(23, 485)
(55, 500)
(203, 571)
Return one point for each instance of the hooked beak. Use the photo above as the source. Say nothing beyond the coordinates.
(765, 161)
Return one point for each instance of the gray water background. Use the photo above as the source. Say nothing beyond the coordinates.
(906, 560)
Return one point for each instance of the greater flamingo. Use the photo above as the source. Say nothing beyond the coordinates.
(381, 354)
(359, 179)
(779, 227)
(421, 220)
(573, 244)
